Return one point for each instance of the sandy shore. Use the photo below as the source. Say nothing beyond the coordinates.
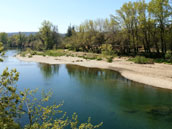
(157, 75)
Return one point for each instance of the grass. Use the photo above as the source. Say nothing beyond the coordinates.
(55, 53)
(89, 57)
(142, 60)
(61, 52)
(165, 61)
(93, 56)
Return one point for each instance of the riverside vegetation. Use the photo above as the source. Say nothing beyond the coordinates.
(14, 104)
(138, 29)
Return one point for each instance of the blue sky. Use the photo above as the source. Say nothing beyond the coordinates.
(27, 15)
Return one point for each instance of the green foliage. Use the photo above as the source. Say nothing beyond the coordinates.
(70, 30)
(39, 116)
(167, 59)
(90, 57)
(1, 53)
(30, 56)
(99, 58)
(23, 54)
(49, 35)
(1, 60)
(9, 99)
(55, 53)
(4, 38)
(142, 60)
(138, 27)
(1, 47)
(33, 53)
(110, 59)
(168, 55)
(107, 49)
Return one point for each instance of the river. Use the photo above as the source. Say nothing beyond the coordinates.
(103, 95)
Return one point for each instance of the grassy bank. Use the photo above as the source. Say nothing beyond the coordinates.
(93, 56)
(64, 52)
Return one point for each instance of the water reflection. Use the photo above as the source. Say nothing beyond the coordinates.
(125, 98)
(92, 75)
(48, 70)
(102, 94)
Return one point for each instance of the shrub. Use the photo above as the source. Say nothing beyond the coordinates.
(99, 58)
(142, 60)
(1, 60)
(110, 59)
(168, 55)
(30, 56)
(23, 54)
(90, 57)
(28, 50)
(33, 53)
(55, 53)
(107, 49)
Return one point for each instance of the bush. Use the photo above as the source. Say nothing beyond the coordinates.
(1, 60)
(89, 57)
(23, 54)
(99, 58)
(107, 49)
(142, 60)
(28, 50)
(168, 55)
(30, 56)
(110, 59)
(55, 53)
(69, 46)
(33, 53)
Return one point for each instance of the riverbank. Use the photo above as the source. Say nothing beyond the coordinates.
(157, 75)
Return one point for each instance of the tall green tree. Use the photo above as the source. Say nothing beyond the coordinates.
(49, 35)
(160, 11)
(4, 38)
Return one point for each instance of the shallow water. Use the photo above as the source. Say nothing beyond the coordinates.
(104, 95)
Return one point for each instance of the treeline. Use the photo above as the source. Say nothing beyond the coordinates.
(47, 38)
(137, 28)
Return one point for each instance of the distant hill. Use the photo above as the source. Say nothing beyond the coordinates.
(28, 33)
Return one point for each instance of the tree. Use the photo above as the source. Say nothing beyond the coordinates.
(1, 49)
(12, 103)
(4, 38)
(160, 10)
(70, 30)
(9, 99)
(49, 35)
(21, 40)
